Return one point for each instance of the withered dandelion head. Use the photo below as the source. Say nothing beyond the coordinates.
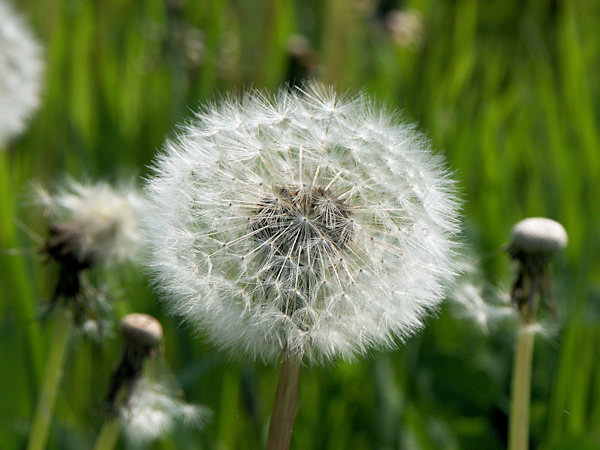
(534, 241)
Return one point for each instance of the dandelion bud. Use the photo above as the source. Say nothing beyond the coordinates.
(306, 223)
(538, 236)
(21, 70)
(142, 330)
(533, 243)
(143, 335)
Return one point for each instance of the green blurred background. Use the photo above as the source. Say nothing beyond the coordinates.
(509, 90)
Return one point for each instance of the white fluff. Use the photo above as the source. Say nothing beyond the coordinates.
(153, 411)
(107, 219)
(21, 71)
(333, 276)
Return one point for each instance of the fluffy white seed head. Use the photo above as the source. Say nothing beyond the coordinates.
(304, 222)
(21, 71)
(153, 411)
(538, 235)
(103, 221)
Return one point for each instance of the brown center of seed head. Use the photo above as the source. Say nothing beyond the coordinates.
(141, 329)
(300, 232)
(302, 224)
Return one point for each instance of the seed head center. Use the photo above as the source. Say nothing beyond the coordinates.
(302, 224)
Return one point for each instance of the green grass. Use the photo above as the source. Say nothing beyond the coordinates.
(507, 89)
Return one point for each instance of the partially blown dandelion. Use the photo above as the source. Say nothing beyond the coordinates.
(21, 70)
(91, 224)
(143, 407)
(305, 223)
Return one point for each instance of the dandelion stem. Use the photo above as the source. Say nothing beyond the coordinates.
(109, 434)
(284, 408)
(54, 367)
(521, 387)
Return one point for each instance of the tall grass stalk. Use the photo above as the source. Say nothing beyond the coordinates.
(54, 368)
(109, 434)
(284, 408)
(521, 388)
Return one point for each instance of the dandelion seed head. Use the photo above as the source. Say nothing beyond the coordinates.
(305, 221)
(97, 223)
(20, 75)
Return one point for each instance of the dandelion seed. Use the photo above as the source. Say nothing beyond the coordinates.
(20, 74)
(307, 222)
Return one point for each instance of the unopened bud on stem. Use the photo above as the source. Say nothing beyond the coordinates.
(533, 243)
(143, 335)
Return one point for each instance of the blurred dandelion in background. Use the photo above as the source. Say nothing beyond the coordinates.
(534, 241)
(154, 409)
(89, 225)
(405, 28)
(475, 299)
(141, 398)
(21, 70)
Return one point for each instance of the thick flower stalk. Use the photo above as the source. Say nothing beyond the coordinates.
(21, 70)
(306, 223)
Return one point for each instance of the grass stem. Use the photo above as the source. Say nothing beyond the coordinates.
(54, 368)
(109, 434)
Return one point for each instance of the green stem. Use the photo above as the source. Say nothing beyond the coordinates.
(47, 399)
(284, 408)
(109, 434)
(521, 388)
(18, 285)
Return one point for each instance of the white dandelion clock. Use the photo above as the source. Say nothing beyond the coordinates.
(305, 223)
(21, 70)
